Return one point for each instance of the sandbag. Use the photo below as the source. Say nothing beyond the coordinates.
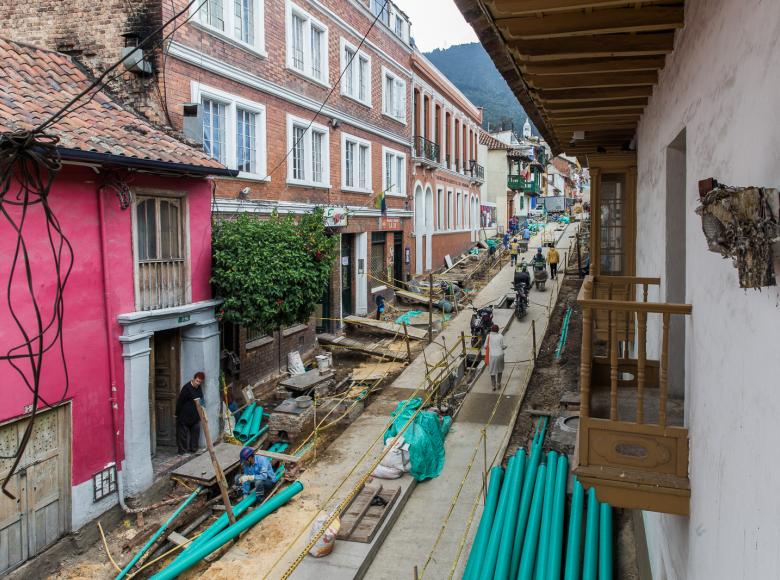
(327, 540)
(295, 363)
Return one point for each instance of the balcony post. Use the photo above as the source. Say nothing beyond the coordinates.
(663, 374)
(613, 366)
(641, 363)
(585, 359)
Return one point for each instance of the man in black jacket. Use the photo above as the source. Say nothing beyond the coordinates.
(187, 418)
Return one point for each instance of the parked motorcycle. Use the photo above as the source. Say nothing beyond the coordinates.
(540, 275)
(481, 323)
(521, 299)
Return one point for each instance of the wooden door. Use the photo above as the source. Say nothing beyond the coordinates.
(346, 274)
(166, 386)
(40, 514)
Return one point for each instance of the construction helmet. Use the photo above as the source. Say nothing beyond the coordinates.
(246, 453)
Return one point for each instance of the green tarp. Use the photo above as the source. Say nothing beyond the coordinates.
(425, 437)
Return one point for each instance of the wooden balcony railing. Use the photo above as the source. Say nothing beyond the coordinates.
(632, 444)
(161, 284)
(477, 171)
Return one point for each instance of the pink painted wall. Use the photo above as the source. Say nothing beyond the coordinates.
(74, 200)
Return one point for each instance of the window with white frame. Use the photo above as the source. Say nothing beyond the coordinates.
(309, 160)
(393, 95)
(380, 8)
(238, 20)
(356, 80)
(440, 210)
(233, 130)
(355, 164)
(307, 44)
(459, 211)
(394, 172)
(450, 211)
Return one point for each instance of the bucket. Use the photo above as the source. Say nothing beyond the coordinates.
(323, 362)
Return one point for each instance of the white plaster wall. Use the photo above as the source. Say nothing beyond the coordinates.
(721, 84)
(496, 171)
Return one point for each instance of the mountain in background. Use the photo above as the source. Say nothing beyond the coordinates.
(470, 69)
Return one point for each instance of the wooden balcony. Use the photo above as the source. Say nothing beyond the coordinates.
(632, 444)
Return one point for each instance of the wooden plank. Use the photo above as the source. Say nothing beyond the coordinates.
(200, 470)
(606, 46)
(608, 21)
(334, 343)
(595, 65)
(178, 539)
(382, 327)
(278, 456)
(307, 381)
(375, 517)
(357, 509)
(412, 297)
(594, 80)
(624, 106)
(527, 7)
(218, 473)
(594, 94)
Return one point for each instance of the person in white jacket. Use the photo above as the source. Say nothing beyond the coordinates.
(495, 354)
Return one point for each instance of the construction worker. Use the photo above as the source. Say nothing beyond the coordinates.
(553, 259)
(257, 473)
(513, 249)
(187, 417)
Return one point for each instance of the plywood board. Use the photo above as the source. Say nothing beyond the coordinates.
(332, 342)
(388, 328)
(412, 297)
(307, 381)
(200, 470)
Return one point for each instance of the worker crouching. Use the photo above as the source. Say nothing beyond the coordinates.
(257, 473)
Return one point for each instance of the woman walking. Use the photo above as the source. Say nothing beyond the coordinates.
(494, 355)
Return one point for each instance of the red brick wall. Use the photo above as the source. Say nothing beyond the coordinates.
(268, 358)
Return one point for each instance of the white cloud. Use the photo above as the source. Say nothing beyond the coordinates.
(436, 23)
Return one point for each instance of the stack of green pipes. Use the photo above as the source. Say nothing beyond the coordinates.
(521, 531)
(248, 427)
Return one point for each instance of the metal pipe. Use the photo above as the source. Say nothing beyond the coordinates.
(249, 520)
(531, 539)
(605, 542)
(574, 539)
(491, 554)
(590, 560)
(554, 553)
(158, 533)
(485, 523)
(220, 523)
(547, 508)
(507, 534)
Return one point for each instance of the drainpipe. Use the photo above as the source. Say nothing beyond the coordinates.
(112, 389)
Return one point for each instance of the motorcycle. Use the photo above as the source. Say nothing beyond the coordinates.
(521, 300)
(540, 275)
(481, 323)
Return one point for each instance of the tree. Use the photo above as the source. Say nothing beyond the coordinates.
(272, 272)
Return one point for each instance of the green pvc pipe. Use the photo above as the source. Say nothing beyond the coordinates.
(252, 439)
(246, 522)
(531, 540)
(485, 523)
(159, 532)
(574, 539)
(547, 508)
(221, 523)
(564, 333)
(554, 553)
(590, 559)
(605, 542)
(491, 553)
(525, 507)
(507, 534)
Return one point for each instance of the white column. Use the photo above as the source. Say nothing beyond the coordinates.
(362, 265)
(200, 353)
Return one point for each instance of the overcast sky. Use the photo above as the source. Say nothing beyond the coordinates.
(436, 23)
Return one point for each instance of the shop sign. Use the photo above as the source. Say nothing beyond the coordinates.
(387, 223)
(335, 217)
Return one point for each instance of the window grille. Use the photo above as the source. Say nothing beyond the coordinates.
(104, 483)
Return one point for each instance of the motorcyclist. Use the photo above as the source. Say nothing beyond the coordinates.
(522, 275)
(538, 260)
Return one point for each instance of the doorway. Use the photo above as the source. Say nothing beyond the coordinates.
(676, 212)
(398, 258)
(164, 383)
(347, 248)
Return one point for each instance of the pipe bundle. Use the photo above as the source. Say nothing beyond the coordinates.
(521, 531)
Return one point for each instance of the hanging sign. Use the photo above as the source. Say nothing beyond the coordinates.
(335, 217)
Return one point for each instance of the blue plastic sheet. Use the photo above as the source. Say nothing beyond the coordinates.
(425, 437)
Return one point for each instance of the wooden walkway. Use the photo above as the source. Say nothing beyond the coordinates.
(333, 342)
(388, 328)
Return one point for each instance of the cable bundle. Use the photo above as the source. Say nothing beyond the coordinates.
(521, 531)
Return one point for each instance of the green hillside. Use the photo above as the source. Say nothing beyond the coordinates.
(470, 69)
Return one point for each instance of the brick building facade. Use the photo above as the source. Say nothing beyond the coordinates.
(446, 173)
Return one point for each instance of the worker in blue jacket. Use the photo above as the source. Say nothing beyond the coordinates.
(257, 473)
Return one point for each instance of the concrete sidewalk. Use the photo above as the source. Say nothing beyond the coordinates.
(427, 512)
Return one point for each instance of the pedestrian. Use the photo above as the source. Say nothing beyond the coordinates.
(526, 233)
(494, 356)
(506, 240)
(380, 306)
(187, 418)
(513, 249)
(553, 258)
(257, 473)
